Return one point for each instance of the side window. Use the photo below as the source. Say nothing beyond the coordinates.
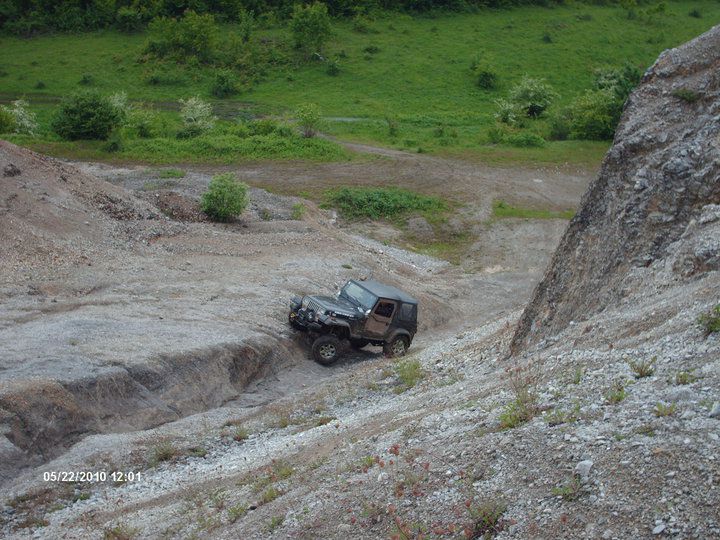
(384, 309)
(407, 312)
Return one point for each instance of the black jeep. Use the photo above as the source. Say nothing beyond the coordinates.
(363, 312)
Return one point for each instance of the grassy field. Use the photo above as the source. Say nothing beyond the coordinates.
(404, 83)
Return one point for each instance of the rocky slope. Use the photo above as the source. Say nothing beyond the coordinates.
(652, 203)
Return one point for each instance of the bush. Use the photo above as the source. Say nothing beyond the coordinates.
(246, 24)
(224, 84)
(192, 36)
(23, 121)
(225, 198)
(484, 72)
(621, 81)
(695, 13)
(308, 117)
(129, 19)
(507, 112)
(532, 96)
(710, 321)
(310, 27)
(377, 203)
(87, 115)
(595, 115)
(7, 121)
(560, 125)
(197, 117)
(525, 140)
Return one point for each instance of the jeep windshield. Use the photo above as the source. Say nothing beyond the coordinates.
(358, 296)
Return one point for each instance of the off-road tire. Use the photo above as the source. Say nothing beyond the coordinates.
(326, 349)
(359, 343)
(397, 346)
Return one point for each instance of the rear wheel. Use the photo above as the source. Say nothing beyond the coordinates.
(326, 349)
(397, 346)
(359, 343)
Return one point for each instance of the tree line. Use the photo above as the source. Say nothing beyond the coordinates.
(29, 17)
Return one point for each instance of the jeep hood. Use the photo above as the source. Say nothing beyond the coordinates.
(339, 305)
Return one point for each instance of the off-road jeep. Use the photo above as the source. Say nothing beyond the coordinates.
(363, 312)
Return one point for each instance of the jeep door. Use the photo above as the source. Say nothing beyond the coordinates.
(380, 318)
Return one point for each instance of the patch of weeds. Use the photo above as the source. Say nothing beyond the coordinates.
(486, 518)
(82, 496)
(269, 495)
(410, 372)
(695, 13)
(197, 451)
(235, 512)
(646, 430)
(298, 211)
(366, 463)
(240, 434)
(664, 409)
(501, 209)
(685, 377)
(86, 80)
(164, 451)
(33, 522)
(643, 368)
(559, 416)
(578, 375)
(120, 532)
(347, 266)
(688, 96)
(570, 490)
(381, 202)
(616, 393)
(171, 173)
(265, 214)
(323, 420)
(522, 409)
(710, 321)
(275, 522)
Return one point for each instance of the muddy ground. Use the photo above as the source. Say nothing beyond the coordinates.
(122, 309)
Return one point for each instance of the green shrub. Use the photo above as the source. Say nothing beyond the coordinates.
(486, 518)
(498, 133)
(620, 80)
(333, 68)
(308, 117)
(560, 125)
(532, 96)
(197, 117)
(525, 140)
(710, 321)
(87, 115)
(115, 142)
(688, 96)
(23, 121)
(225, 198)
(86, 80)
(695, 13)
(643, 368)
(298, 211)
(507, 112)
(409, 372)
(310, 26)
(7, 121)
(246, 24)
(192, 36)
(377, 203)
(595, 115)
(129, 19)
(224, 84)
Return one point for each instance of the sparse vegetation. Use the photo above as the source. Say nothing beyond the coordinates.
(240, 434)
(225, 198)
(616, 393)
(570, 490)
(643, 368)
(685, 377)
(710, 321)
(558, 416)
(164, 451)
(501, 209)
(298, 211)
(269, 495)
(276, 522)
(409, 373)
(120, 532)
(171, 173)
(381, 203)
(665, 409)
(236, 512)
(688, 96)
(487, 518)
(523, 408)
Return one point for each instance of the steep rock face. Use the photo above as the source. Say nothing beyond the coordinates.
(653, 205)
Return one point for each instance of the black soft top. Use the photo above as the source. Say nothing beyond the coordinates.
(386, 291)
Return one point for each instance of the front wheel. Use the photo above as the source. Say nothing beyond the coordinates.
(397, 346)
(326, 349)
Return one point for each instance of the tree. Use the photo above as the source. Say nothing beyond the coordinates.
(310, 26)
(532, 96)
